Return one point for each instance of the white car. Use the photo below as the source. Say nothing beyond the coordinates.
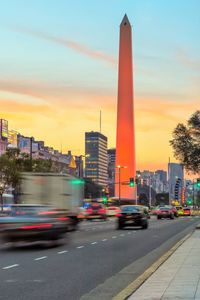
(112, 211)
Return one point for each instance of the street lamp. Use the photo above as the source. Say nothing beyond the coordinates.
(119, 181)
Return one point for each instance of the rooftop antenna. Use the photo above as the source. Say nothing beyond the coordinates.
(100, 121)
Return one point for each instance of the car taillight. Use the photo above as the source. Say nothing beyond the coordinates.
(118, 215)
(89, 211)
(102, 211)
(37, 226)
(63, 219)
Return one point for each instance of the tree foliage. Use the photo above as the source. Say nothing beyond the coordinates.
(186, 143)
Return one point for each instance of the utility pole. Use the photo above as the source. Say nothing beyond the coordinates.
(31, 152)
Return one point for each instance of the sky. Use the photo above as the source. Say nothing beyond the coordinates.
(58, 69)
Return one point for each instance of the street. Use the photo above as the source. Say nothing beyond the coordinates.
(93, 254)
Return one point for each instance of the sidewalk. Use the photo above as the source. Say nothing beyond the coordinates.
(178, 277)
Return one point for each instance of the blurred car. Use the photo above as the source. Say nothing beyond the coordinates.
(31, 223)
(155, 210)
(165, 212)
(180, 210)
(96, 211)
(145, 209)
(131, 215)
(173, 208)
(82, 214)
(112, 211)
(186, 211)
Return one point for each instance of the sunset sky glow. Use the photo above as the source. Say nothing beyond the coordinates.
(58, 69)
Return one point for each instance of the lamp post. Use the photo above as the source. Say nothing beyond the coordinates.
(119, 181)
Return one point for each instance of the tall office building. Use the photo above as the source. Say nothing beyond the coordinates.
(175, 177)
(111, 171)
(96, 162)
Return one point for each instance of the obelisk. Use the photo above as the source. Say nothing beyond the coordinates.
(125, 143)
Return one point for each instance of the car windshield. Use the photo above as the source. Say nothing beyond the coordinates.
(19, 211)
(129, 209)
(164, 208)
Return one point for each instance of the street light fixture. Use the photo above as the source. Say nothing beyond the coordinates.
(119, 182)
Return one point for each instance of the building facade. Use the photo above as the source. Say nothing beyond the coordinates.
(175, 178)
(96, 162)
(111, 171)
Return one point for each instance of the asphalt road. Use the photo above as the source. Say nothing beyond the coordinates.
(89, 263)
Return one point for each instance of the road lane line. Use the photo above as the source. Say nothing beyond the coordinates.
(62, 252)
(93, 243)
(11, 266)
(80, 247)
(122, 234)
(104, 240)
(114, 237)
(39, 258)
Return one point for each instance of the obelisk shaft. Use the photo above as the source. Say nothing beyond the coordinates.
(125, 144)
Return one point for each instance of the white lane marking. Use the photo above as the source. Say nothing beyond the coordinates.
(129, 232)
(122, 234)
(80, 247)
(11, 266)
(62, 252)
(11, 280)
(39, 258)
(93, 243)
(104, 240)
(114, 237)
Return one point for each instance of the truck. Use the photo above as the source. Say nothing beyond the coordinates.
(63, 191)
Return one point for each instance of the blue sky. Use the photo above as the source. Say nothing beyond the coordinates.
(65, 53)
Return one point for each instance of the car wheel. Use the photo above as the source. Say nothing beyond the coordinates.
(145, 226)
(120, 226)
(158, 217)
(171, 217)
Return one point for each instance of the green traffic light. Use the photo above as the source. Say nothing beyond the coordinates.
(131, 182)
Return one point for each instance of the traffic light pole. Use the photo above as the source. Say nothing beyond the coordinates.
(119, 186)
(193, 193)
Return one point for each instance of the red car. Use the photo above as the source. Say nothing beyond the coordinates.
(96, 211)
(165, 212)
(186, 211)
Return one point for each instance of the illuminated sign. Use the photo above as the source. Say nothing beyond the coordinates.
(12, 138)
(4, 129)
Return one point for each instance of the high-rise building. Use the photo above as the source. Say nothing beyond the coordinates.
(125, 142)
(111, 170)
(175, 180)
(96, 160)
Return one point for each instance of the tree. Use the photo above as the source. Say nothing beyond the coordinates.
(186, 143)
(9, 174)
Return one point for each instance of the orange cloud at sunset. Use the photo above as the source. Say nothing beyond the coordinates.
(63, 115)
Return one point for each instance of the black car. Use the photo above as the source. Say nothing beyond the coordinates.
(131, 215)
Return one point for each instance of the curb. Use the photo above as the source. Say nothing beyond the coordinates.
(132, 287)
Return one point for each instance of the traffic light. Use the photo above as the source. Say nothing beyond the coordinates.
(131, 182)
(198, 182)
(105, 199)
(189, 201)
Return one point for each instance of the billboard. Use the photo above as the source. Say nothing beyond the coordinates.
(12, 138)
(4, 129)
(24, 144)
